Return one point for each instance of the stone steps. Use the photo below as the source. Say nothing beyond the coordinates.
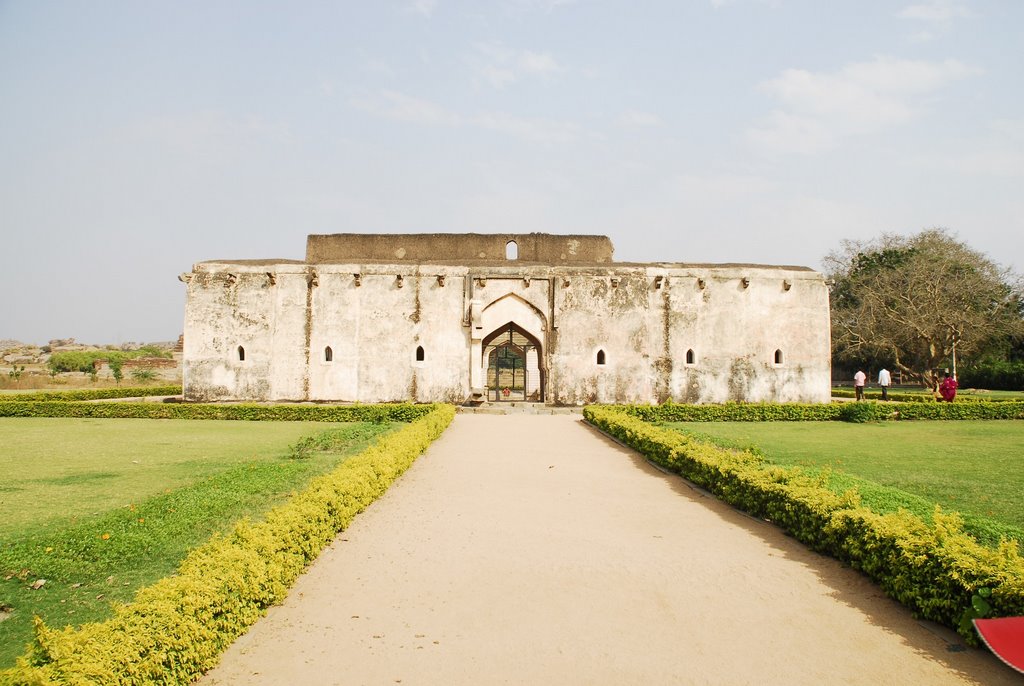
(516, 407)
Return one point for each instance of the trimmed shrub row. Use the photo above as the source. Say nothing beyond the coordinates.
(734, 412)
(177, 628)
(936, 569)
(876, 412)
(896, 396)
(392, 412)
(90, 394)
(1013, 409)
(851, 412)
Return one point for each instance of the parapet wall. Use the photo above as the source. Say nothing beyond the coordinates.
(461, 248)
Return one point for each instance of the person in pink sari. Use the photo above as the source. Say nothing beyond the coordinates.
(947, 389)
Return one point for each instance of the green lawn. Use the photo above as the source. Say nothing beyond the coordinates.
(56, 471)
(101, 507)
(974, 467)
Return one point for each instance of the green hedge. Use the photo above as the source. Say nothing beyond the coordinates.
(896, 396)
(1001, 376)
(936, 569)
(398, 412)
(90, 394)
(735, 412)
(795, 412)
(177, 628)
(1012, 409)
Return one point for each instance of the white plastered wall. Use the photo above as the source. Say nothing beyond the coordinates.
(373, 325)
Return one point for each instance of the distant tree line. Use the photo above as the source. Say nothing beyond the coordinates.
(914, 303)
(84, 360)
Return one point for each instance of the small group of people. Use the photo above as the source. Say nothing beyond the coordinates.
(945, 391)
(860, 379)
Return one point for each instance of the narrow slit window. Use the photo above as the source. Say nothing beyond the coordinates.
(328, 354)
(691, 358)
(241, 354)
(600, 357)
(420, 355)
(511, 250)
(778, 357)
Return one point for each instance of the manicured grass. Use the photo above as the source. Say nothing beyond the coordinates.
(973, 467)
(108, 506)
(56, 471)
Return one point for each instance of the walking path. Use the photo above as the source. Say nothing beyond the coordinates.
(528, 549)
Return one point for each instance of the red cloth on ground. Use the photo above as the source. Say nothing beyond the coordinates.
(1005, 638)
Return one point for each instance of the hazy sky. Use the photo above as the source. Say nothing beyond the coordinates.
(139, 137)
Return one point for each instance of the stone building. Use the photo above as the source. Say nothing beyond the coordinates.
(489, 318)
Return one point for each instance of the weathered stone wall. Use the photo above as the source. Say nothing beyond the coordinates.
(241, 338)
(373, 316)
(374, 325)
(285, 319)
(161, 368)
(460, 248)
(647, 325)
(622, 321)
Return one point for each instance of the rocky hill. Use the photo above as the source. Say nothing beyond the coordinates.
(16, 352)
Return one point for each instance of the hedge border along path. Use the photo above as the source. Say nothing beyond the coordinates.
(896, 396)
(797, 412)
(177, 628)
(91, 394)
(398, 412)
(936, 570)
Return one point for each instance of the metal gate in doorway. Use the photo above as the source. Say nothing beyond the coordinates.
(508, 374)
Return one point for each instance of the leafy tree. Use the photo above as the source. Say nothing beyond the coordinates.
(16, 372)
(116, 368)
(907, 299)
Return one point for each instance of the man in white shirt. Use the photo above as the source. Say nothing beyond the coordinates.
(859, 379)
(884, 380)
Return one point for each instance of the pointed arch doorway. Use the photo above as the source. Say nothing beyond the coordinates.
(512, 358)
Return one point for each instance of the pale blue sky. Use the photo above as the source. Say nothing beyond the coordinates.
(137, 138)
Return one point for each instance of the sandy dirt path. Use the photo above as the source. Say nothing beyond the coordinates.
(530, 549)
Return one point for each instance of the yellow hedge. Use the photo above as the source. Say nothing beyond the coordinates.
(177, 628)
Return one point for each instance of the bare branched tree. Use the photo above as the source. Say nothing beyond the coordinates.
(907, 300)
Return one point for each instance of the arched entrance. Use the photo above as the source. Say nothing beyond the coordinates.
(512, 359)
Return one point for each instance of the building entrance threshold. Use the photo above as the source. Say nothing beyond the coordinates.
(517, 407)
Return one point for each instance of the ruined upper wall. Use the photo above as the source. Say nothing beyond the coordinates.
(460, 248)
